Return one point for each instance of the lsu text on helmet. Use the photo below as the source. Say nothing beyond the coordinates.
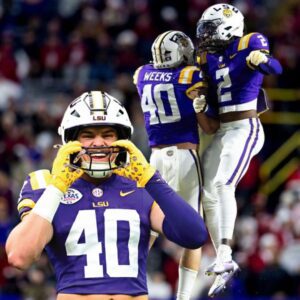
(218, 25)
(172, 48)
(96, 108)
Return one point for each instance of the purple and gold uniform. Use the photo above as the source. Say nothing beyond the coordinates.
(101, 234)
(236, 83)
(169, 120)
(168, 110)
(234, 65)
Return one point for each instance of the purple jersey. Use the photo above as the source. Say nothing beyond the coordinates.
(168, 111)
(101, 234)
(236, 83)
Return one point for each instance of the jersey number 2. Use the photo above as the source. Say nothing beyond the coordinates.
(86, 223)
(224, 84)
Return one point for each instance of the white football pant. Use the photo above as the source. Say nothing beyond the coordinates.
(225, 161)
(181, 169)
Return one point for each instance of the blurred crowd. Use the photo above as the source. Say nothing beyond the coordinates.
(52, 51)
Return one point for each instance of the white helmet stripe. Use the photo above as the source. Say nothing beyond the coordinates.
(98, 103)
(94, 108)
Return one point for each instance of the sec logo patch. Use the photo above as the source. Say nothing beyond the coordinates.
(97, 192)
(71, 196)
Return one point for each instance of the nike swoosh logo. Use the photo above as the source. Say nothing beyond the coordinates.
(123, 194)
(232, 56)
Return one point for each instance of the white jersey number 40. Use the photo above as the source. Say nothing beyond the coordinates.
(86, 223)
(152, 102)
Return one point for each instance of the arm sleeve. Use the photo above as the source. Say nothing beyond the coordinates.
(272, 66)
(182, 224)
(260, 42)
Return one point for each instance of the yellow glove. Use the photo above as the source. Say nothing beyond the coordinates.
(256, 58)
(138, 168)
(62, 175)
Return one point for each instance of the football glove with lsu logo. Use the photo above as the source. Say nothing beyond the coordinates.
(138, 169)
(62, 175)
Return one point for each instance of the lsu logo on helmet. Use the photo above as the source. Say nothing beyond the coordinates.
(227, 12)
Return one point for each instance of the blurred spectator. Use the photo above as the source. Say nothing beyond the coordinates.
(159, 289)
(102, 59)
(6, 225)
(76, 68)
(36, 285)
(31, 47)
(126, 52)
(53, 57)
(272, 280)
(6, 194)
(290, 256)
(14, 67)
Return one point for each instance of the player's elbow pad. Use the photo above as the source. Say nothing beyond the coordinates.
(273, 66)
(190, 233)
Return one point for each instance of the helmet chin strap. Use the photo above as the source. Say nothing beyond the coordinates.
(96, 170)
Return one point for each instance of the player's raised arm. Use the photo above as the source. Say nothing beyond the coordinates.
(260, 58)
(179, 222)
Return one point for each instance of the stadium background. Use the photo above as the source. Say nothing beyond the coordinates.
(52, 51)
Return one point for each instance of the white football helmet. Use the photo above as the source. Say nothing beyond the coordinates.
(172, 48)
(96, 108)
(218, 25)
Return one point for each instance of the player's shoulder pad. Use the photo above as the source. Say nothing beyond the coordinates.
(253, 41)
(136, 75)
(39, 179)
(186, 74)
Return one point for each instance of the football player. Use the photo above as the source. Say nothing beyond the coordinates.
(94, 211)
(234, 64)
(166, 88)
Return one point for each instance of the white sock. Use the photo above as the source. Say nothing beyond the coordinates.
(186, 280)
(224, 253)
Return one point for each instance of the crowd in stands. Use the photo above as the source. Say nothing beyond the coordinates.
(52, 51)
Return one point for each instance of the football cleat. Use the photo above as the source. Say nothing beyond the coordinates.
(219, 267)
(221, 280)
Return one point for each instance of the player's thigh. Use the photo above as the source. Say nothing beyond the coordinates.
(238, 145)
(181, 169)
(166, 161)
(190, 177)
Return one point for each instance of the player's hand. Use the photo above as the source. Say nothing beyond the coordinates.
(138, 169)
(256, 58)
(62, 175)
(199, 104)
